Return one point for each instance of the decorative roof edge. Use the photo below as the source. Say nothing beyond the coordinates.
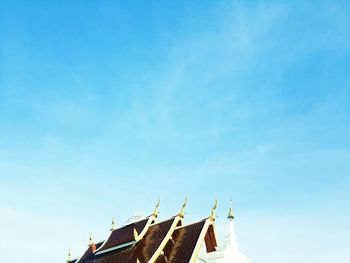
(182, 211)
(150, 220)
(200, 240)
(166, 239)
(115, 247)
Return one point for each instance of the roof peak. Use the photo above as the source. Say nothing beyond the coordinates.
(69, 256)
(212, 216)
(230, 212)
(182, 211)
(156, 212)
(114, 224)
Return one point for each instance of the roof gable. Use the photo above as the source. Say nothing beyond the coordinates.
(142, 250)
(186, 242)
(125, 235)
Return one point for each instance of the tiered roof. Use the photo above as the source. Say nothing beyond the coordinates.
(127, 235)
(146, 240)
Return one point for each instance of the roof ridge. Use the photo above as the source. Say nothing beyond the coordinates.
(165, 220)
(135, 222)
(193, 223)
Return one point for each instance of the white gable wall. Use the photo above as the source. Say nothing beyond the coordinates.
(228, 252)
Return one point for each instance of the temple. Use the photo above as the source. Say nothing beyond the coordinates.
(144, 240)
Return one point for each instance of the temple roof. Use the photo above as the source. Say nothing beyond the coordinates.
(142, 250)
(146, 240)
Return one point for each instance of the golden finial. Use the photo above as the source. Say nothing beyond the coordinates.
(69, 257)
(136, 235)
(230, 212)
(90, 240)
(114, 224)
(213, 210)
(137, 260)
(155, 212)
(182, 212)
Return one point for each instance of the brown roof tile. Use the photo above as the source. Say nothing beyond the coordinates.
(181, 247)
(142, 250)
(124, 234)
(90, 251)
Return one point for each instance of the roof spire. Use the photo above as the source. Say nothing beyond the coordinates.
(155, 212)
(69, 256)
(114, 224)
(230, 212)
(212, 216)
(90, 240)
(182, 212)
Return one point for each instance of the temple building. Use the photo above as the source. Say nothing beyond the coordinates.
(144, 240)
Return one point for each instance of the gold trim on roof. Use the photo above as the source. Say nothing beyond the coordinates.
(182, 212)
(212, 216)
(156, 212)
(200, 241)
(162, 245)
(136, 235)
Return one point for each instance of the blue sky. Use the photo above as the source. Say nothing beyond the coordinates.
(105, 106)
